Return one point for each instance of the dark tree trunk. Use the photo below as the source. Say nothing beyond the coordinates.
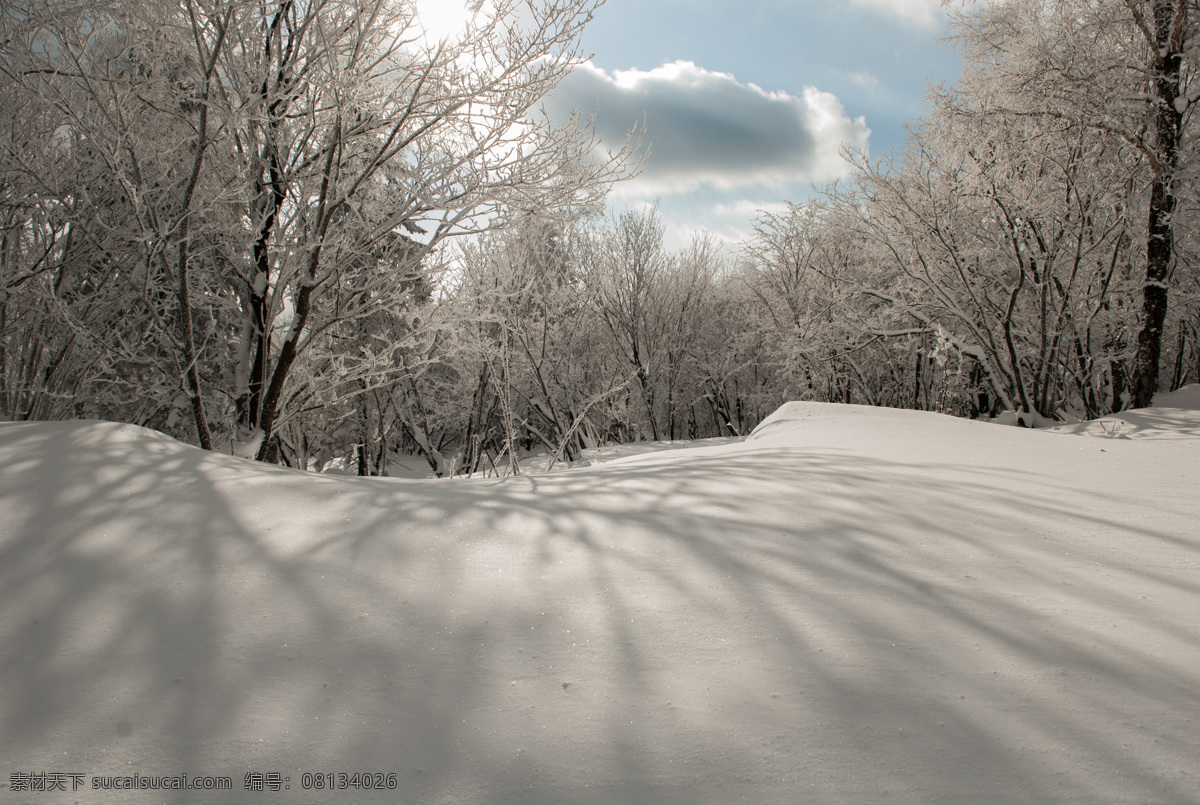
(287, 356)
(259, 307)
(291, 344)
(270, 192)
(1177, 374)
(1170, 22)
(916, 393)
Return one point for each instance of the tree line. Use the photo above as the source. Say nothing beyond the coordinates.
(1022, 248)
(241, 223)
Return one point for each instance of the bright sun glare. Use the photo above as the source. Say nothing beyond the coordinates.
(442, 19)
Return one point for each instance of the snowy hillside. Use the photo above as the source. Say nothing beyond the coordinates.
(854, 605)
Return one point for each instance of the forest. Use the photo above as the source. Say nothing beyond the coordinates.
(295, 230)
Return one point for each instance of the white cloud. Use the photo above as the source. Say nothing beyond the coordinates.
(708, 129)
(866, 80)
(747, 209)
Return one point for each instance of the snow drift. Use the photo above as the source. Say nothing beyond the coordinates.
(853, 605)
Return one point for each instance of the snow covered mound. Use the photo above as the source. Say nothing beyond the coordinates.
(814, 423)
(853, 605)
(890, 434)
(1174, 415)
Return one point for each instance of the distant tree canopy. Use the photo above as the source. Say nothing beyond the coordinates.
(234, 222)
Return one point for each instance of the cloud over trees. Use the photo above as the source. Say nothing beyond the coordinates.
(705, 128)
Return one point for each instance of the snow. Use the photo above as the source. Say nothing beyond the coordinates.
(853, 605)
(532, 462)
(1173, 415)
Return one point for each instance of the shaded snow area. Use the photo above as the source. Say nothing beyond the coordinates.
(534, 462)
(854, 605)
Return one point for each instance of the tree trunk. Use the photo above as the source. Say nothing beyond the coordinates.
(290, 349)
(1177, 374)
(1170, 22)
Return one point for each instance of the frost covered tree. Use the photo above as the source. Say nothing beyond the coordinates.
(116, 204)
(534, 329)
(388, 138)
(794, 268)
(1125, 69)
(231, 188)
(1022, 245)
(626, 265)
(1004, 240)
(651, 303)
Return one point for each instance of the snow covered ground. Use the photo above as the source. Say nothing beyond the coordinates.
(854, 605)
(534, 462)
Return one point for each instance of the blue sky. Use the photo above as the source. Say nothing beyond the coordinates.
(748, 103)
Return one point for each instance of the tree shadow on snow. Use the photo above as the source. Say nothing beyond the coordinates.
(769, 625)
